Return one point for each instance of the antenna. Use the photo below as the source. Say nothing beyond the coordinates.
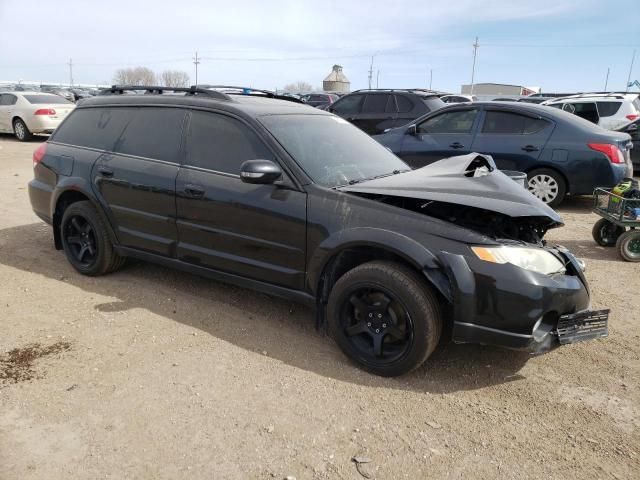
(473, 70)
(196, 62)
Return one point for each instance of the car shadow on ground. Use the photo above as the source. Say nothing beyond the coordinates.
(577, 204)
(259, 323)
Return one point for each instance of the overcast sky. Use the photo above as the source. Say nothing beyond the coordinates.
(556, 44)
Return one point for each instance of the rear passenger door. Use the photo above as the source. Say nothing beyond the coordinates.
(135, 179)
(442, 135)
(514, 139)
(256, 231)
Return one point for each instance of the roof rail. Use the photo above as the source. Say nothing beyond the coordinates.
(154, 89)
(420, 90)
(235, 90)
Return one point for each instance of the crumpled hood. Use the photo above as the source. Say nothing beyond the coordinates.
(452, 180)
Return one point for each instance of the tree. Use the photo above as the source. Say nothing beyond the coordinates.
(299, 87)
(134, 76)
(174, 78)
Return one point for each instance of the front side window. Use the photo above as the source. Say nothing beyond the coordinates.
(221, 143)
(511, 123)
(153, 133)
(459, 121)
(331, 150)
(349, 105)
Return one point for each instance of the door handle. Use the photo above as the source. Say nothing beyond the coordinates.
(456, 145)
(105, 172)
(530, 148)
(194, 191)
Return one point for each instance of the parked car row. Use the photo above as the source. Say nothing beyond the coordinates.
(560, 153)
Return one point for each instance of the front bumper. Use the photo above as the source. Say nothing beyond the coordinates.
(508, 306)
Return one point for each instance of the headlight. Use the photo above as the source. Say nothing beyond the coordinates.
(534, 259)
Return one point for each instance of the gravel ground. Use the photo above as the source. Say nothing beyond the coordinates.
(153, 373)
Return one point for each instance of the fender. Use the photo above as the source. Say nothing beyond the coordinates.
(82, 186)
(413, 252)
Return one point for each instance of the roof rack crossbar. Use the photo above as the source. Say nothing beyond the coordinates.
(192, 90)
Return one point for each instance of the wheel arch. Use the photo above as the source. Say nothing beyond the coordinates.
(340, 253)
(67, 194)
(545, 166)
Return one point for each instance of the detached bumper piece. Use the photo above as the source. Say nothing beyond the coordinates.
(583, 326)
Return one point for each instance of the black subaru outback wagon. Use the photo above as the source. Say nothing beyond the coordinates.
(296, 202)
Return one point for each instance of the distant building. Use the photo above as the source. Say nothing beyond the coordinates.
(498, 89)
(336, 81)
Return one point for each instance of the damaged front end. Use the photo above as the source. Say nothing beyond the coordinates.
(520, 292)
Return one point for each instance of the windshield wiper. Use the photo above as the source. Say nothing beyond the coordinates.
(359, 180)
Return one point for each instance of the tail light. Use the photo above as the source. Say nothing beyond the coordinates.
(39, 153)
(45, 111)
(632, 117)
(613, 153)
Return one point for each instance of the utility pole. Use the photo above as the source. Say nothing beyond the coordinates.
(377, 78)
(473, 70)
(430, 77)
(70, 72)
(371, 71)
(196, 62)
(606, 82)
(633, 57)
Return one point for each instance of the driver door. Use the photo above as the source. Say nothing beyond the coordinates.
(441, 135)
(255, 231)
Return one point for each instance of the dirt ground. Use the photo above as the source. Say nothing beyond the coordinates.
(153, 373)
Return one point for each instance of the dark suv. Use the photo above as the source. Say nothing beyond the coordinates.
(297, 203)
(375, 111)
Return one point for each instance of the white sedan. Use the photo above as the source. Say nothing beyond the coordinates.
(26, 113)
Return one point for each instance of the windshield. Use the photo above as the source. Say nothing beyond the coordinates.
(331, 150)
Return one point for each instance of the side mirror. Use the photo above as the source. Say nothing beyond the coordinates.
(633, 128)
(260, 172)
(412, 130)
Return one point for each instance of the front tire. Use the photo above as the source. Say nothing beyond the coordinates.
(628, 246)
(548, 185)
(21, 130)
(605, 233)
(385, 317)
(86, 242)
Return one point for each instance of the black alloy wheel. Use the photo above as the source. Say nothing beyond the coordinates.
(80, 235)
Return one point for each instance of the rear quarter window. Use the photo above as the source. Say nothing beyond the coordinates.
(93, 127)
(433, 103)
(608, 109)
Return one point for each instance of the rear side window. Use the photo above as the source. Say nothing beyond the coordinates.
(93, 127)
(460, 121)
(512, 123)
(404, 104)
(47, 98)
(608, 109)
(375, 103)
(433, 103)
(348, 105)
(221, 143)
(7, 99)
(153, 133)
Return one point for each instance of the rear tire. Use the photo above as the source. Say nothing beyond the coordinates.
(385, 317)
(605, 233)
(548, 185)
(21, 130)
(628, 246)
(86, 241)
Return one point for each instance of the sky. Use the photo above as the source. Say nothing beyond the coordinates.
(559, 45)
